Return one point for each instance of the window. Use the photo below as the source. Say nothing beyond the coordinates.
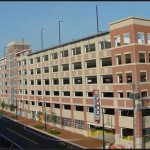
(37, 59)
(107, 94)
(143, 77)
(148, 38)
(140, 38)
(90, 109)
(65, 67)
(119, 76)
(31, 61)
(65, 81)
(38, 82)
(105, 44)
(117, 41)
(66, 93)
(19, 63)
(76, 65)
(68, 107)
(25, 81)
(128, 58)
(19, 72)
(25, 91)
(67, 122)
(105, 79)
(144, 94)
(31, 71)
(45, 58)
(31, 92)
(39, 92)
(129, 77)
(142, 57)
(55, 68)
(120, 94)
(46, 81)
(24, 62)
(54, 56)
(56, 93)
(46, 92)
(56, 105)
(89, 48)
(24, 71)
(90, 63)
(19, 82)
(78, 94)
(31, 82)
(78, 108)
(79, 124)
(64, 53)
(32, 103)
(77, 80)
(126, 38)
(46, 70)
(55, 81)
(38, 70)
(91, 80)
(118, 59)
(106, 61)
(89, 94)
(76, 51)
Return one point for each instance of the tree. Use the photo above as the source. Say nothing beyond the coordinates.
(12, 107)
(53, 117)
(3, 104)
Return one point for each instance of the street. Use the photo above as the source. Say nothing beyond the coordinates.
(26, 137)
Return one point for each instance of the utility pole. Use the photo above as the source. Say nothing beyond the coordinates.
(103, 128)
(97, 19)
(45, 115)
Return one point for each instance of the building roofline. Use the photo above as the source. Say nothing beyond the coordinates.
(70, 42)
(127, 18)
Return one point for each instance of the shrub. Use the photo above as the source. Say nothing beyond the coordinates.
(54, 132)
(39, 127)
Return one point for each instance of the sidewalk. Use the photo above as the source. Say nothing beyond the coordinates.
(75, 138)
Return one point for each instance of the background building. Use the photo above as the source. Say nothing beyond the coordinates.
(61, 80)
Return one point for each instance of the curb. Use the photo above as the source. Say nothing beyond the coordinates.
(61, 139)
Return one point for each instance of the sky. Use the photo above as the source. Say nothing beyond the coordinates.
(25, 19)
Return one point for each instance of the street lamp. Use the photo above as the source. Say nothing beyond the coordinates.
(16, 107)
(97, 19)
(4, 73)
(42, 37)
(59, 32)
(45, 114)
(23, 43)
(103, 127)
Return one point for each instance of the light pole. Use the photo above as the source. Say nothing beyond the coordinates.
(45, 114)
(42, 37)
(97, 19)
(103, 127)
(4, 74)
(59, 32)
(23, 43)
(16, 107)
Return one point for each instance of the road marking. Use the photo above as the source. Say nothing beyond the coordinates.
(22, 136)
